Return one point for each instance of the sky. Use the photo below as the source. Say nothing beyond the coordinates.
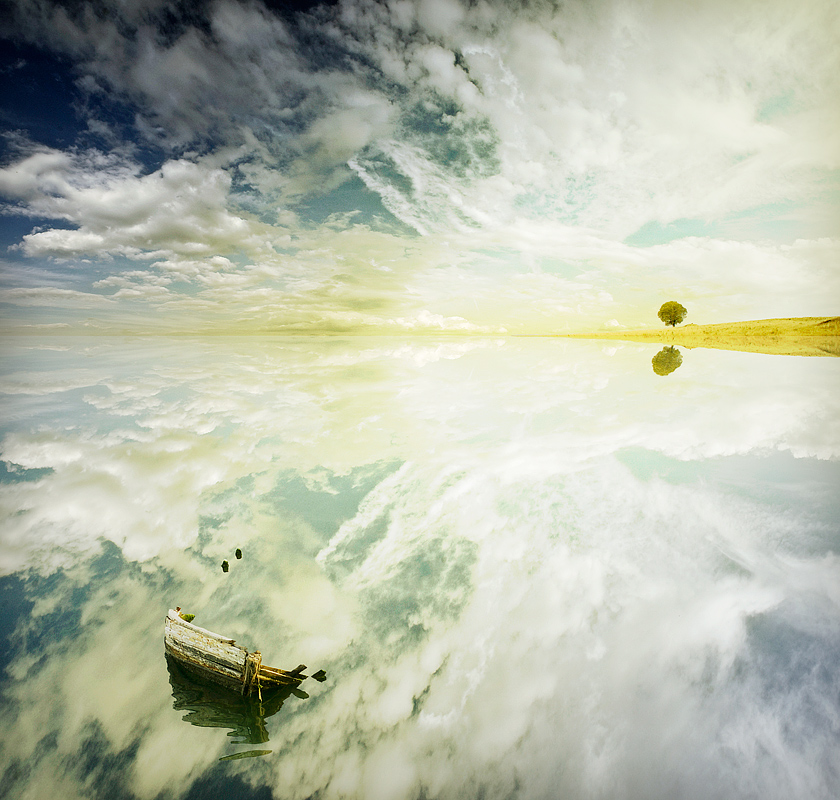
(416, 166)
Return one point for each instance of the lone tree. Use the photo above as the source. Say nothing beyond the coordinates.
(672, 313)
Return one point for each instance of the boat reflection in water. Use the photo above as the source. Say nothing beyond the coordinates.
(222, 685)
(211, 706)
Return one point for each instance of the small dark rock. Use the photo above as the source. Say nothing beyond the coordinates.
(225, 566)
(238, 553)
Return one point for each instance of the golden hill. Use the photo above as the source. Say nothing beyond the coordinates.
(796, 336)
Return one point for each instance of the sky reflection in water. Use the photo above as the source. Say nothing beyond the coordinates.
(530, 567)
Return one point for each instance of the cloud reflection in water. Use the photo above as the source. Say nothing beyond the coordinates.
(529, 567)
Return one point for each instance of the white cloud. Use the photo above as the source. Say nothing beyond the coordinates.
(54, 298)
(180, 209)
(339, 135)
(41, 172)
(425, 321)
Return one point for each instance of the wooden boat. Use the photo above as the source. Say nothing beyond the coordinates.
(220, 660)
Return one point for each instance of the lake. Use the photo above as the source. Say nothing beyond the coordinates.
(531, 568)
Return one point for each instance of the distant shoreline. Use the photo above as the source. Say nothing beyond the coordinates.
(795, 336)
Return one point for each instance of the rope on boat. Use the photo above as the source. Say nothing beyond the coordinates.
(251, 673)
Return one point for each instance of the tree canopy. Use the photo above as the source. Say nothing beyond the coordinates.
(672, 313)
(666, 360)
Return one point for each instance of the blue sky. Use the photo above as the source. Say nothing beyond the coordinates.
(417, 166)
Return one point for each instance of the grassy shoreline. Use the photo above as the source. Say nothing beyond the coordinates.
(795, 336)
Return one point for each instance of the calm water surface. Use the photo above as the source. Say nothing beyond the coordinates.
(531, 568)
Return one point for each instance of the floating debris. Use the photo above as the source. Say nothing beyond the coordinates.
(225, 566)
(238, 553)
(248, 754)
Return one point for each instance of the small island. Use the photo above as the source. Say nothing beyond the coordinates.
(795, 336)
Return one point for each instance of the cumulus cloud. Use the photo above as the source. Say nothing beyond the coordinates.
(179, 209)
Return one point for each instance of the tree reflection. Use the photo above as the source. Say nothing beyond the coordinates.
(666, 360)
(211, 706)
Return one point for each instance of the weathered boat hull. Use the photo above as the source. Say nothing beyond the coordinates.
(220, 660)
